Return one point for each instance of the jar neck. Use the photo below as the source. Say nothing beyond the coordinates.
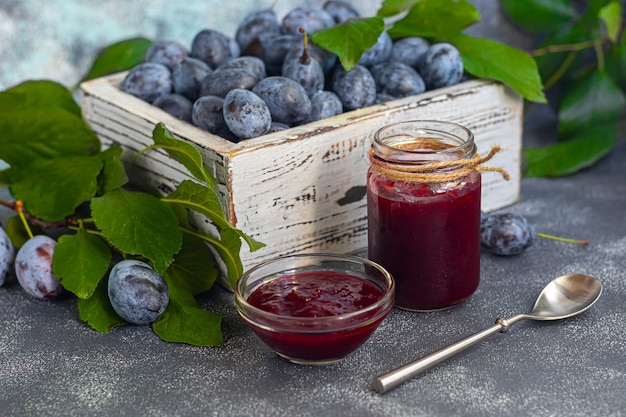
(422, 142)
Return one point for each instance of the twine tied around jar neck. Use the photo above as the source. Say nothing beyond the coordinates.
(428, 172)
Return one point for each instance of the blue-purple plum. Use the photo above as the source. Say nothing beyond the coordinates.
(379, 52)
(277, 127)
(272, 48)
(409, 50)
(168, 53)
(326, 58)
(246, 114)
(207, 113)
(355, 88)
(340, 10)
(213, 47)
(148, 81)
(324, 104)
(221, 81)
(7, 256)
(255, 24)
(397, 79)
(33, 268)
(506, 234)
(441, 66)
(252, 64)
(177, 105)
(187, 76)
(287, 101)
(306, 71)
(137, 292)
(309, 18)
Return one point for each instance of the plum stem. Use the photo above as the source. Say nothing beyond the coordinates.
(563, 239)
(19, 208)
(305, 59)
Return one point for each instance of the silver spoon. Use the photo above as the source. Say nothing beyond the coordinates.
(564, 297)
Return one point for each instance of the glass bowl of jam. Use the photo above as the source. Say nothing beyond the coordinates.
(315, 309)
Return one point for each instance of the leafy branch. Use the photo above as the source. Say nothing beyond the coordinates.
(436, 21)
(590, 97)
(62, 180)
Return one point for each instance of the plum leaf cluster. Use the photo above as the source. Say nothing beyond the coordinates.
(439, 21)
(78, 198)
(581, 56)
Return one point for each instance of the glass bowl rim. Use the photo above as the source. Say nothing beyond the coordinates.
(250, 312)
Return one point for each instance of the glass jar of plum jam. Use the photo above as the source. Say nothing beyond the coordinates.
(423, 205)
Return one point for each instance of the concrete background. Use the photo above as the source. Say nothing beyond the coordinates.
(52, 364)
(59, 39)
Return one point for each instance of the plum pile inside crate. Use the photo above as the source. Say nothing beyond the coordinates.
(303, 189)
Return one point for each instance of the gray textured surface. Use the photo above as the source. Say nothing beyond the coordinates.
(51, 364)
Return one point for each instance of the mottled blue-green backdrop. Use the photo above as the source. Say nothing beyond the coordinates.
(58, 39)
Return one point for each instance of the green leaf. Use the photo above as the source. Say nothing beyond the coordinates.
(616, 63)
(44, 133)
(393, 7)
(196, 197)
(80, 261)
(540, 16)
(51, 189)
(596, 99)
(118, 57)
(611, 15)
(97, 310)
(485, 58)
(113, 174)
(183, 152)
(349, 40)
(436, 19)
(137, 223)
(37, 95)
(574, 154)
(228, 248)
(590, 20)
(184, 322)
(194, 267)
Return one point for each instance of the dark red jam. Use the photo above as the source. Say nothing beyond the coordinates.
(315, 294)
(427, 236)
(321, 295)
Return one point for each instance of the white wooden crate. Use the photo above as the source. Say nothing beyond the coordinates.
(303, 189)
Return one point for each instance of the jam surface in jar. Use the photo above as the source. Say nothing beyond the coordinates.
(428, 237)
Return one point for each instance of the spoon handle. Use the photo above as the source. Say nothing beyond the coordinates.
(392, 379)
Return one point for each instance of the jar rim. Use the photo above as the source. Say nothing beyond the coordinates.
(460, 140)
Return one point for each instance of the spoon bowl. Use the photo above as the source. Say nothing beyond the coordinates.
(566, 296)
(563, 297)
